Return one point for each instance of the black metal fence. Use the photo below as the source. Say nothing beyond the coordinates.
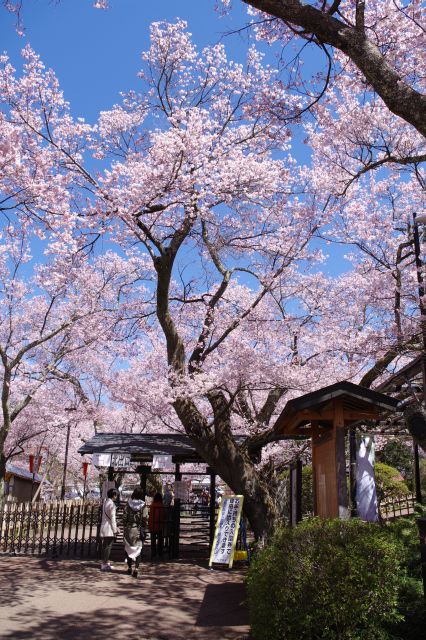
(57, 528)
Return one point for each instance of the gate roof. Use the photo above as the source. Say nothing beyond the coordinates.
(143, 446)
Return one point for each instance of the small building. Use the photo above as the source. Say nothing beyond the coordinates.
(325, 416)
(20, 484)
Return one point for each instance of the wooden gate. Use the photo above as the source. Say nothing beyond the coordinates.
(60, 528)
(194, 530)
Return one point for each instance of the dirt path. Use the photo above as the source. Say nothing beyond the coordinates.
(70, 599)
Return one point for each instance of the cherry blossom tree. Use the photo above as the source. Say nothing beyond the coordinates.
(53, 317)
(194, 179)
(382, 39)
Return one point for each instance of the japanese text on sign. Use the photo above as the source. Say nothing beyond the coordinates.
(226, 530)
(120, 460)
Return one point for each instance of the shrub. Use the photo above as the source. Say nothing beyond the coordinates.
(389, 483)
(411, 599)
(325, 579)
(399, 455)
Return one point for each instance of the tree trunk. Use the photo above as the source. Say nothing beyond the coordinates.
(2, 477)
(233, 465)
(215, 445)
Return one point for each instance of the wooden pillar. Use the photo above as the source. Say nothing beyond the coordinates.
(176, 528)
(339, 435)
(314, 466)
(144, 471)
(295, 493)
(329, 466)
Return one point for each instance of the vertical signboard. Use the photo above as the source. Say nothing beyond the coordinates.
(226, 533)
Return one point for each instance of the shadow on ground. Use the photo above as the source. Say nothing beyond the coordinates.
(70, 600)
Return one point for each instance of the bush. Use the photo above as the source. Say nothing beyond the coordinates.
(389, 483)
(399, 455)
(411, 599)
(326, 579)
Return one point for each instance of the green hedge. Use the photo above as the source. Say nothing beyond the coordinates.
(411, 599)
(326, 579)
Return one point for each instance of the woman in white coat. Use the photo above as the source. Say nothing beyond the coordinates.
(108, 528)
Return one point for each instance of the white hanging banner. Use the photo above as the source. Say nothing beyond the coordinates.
(227, 525)
(101, 459)
(162, 462)
(366, 499)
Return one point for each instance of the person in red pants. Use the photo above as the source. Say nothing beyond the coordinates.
(156, 526)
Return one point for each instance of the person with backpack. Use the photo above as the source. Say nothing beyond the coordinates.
(135, 519)
(109, 528)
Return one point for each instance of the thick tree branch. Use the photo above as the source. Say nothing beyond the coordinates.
(398, 96)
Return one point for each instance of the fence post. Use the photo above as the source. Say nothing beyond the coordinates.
(49, 526)
(84, 529)
(2, 511)
(69, 530)
(7, 527)
(77, 525)
(43, 516)
(55, 533)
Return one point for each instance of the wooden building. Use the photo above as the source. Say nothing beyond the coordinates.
(325, 416)
(20, 484)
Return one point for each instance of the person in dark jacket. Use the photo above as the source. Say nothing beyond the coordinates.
(135, 520)
(156, 525)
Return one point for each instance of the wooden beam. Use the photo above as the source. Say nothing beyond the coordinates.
(342, 489)
(293, 425)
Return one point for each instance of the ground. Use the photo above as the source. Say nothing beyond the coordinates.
(46, 599)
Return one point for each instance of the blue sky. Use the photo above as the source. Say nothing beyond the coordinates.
(96, 54)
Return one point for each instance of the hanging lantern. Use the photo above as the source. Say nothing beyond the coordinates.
(85, 468)
(31, 462)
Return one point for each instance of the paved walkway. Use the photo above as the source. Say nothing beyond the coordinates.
(45, 599)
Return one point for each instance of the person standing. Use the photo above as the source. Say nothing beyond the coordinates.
(168, 496)
(135, 520)
(156, 526)
(109, 528)
(168, 500)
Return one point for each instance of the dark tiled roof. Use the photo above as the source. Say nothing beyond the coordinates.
(143, 446)
(339, 389)
(354, 397)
